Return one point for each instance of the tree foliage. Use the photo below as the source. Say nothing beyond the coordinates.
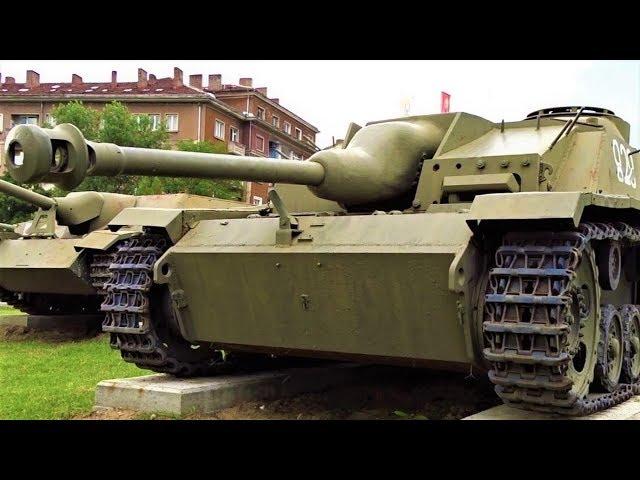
(86, 119)
(121, 127)
(203, 147)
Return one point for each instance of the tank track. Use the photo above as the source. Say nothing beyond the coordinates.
(540, 266)
(12, 299)
(127, 306)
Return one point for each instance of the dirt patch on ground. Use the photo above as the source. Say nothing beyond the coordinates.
(71, 332)
(109, 414)
(402, 395)
(397, 394)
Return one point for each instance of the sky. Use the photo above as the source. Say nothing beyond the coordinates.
(331, 93)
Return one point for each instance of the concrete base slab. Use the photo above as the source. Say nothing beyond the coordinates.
(18, 320)
(166, 394)
(629, 410)
(53, 322)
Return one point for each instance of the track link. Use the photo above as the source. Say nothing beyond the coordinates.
(127, 306)
(527, 319)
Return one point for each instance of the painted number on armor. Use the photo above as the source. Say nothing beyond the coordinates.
(624, 163)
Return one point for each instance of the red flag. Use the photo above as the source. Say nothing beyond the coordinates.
(444, 102)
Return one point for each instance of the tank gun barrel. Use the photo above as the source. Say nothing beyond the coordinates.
(171, 163)
(380, 163)
(27, 195)
(62, 156)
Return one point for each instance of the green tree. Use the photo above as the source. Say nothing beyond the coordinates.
(226, 189)
(86, 119)
(204, 146)
(120, 126)
(148, 137)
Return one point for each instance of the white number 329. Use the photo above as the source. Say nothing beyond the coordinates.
(625, 173)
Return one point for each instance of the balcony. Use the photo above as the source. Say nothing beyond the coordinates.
(235, 148)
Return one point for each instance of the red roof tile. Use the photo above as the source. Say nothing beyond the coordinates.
(164, 86)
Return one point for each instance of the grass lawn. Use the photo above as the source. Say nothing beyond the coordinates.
(47, 380)
(7, 310)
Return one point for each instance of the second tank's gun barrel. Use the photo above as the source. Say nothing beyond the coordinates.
(7, 227)
(27, 195)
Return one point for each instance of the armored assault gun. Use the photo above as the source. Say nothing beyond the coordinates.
(441, 241)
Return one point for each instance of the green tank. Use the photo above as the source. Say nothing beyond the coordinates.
(443, 241)
(46, 269)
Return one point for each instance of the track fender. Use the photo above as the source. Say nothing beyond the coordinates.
(169, 219)
(495, 208)
(565, 209)
(104, 239)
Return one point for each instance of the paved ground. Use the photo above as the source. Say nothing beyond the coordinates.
(629, 410)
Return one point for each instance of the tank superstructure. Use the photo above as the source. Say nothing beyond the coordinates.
(446, 241)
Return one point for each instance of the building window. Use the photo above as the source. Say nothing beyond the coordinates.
(256, 200)
(275, 121)
(298, 134)
(219, 132)
(261, 113)
(259, 143)
(155, 121)
(172, 122)
(234, 134)
(287, 128)
(24, 119)
(274, 148)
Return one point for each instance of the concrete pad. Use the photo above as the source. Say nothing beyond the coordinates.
(19, 320)
(52, 322)
(163, 393)
(629, 410)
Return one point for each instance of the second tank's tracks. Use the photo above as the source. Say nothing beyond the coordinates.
(535, 314)
(50, 303)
